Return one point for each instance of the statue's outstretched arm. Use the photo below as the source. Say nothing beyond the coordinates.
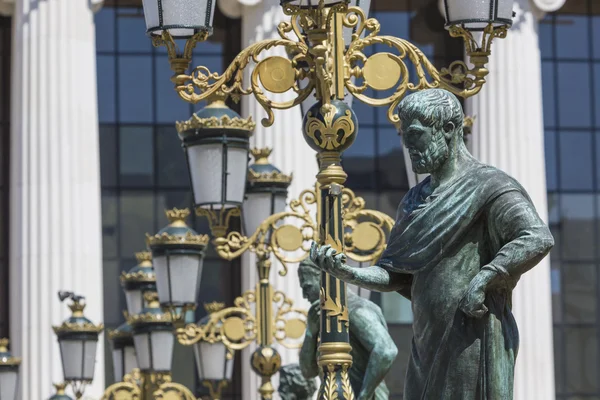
(308, 352)
(374, 336)
(373, 278)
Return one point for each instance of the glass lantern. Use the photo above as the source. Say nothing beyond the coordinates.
(9, 372)
(124, 357)
(137, 281)
(216, 142)
(178, 254)
(266, 192)
(181, 18)
(476, 15)
(77, 339)
(153, 337)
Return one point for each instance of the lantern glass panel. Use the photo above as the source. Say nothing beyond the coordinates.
(8, 384)
(162, 350)
(237, 170)
(211, 361)
(183, 273)
(477, 14)
(78, 358)
(257, 208)
(89, 361)
(130, 359)
(179, 17)
(142, 350)
(117, 356)
(312, 3)
(206, 170)
(151, 13)
(135, 301)
(279, 203)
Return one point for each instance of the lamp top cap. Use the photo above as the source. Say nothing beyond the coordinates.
(123, 331)
(264, 174)
(6, 358)
(177, 234)
(151, 313)
(77, 323)
(215, 119)
(140, 275)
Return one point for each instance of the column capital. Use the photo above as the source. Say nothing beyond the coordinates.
(7, 7)
(546, 6)
(233, 8)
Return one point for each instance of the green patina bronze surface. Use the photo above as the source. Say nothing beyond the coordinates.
(293, 385)
(373, 350)
(462, 239)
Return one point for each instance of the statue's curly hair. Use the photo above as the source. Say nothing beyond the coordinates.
(293, 385)
(433, 107)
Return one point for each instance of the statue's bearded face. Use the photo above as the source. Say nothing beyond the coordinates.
(426, 145)
(310, 281)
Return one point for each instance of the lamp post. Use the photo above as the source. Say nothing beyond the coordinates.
(77, 339)
(314, 39)
(9, 372)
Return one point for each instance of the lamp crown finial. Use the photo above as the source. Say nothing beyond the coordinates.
(60, 388)
(151, 298)
(4, 345)
(143, 257)
(177, 217)
(78, 302)
(261, 156)
(214, 307)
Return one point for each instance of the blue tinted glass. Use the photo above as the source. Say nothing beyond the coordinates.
(135, 88)
(172, 167)
(576, 165)
(548, 94)
(136, 218)
(132, 31)
(596, 35)
(106, 89)
(136, 155)
(572, 36)
(105, 29)
(108, 155)
(574, 94)
(395, 23)
(545, 36)
(364, 112)
(597, 94)
(209, 47)
(578, 241)
(551, 160)
(359, 160)
(392, 169)
(169, 106)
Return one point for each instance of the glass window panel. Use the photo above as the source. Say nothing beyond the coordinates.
(559, 362)
(169, 106)
(136, 218)
(578, 238)
(402, 336)
(396, 309)
(359, 161)
(108, 155)
(132, 31)
(135, 89)
(213, 285)
(209, 47)
(549, 97)
(581, 364)
(556, 286)
(574, 94)
(545, 35)
(580, 292)
(576, 167)
(597, 93)
(136, 156)
(572, 36)
(172, 167)
(105, 29)
(391, 166)
(106, 89)
(551, 159)
(110, 227)
(364, 112)
(595, 20)
(394, 23)
(114, 298)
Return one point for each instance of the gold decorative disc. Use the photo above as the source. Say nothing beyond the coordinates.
(233, 328)
(276, 74)
(288, 238)
(294, 328)
(382, 71)
(366, 236)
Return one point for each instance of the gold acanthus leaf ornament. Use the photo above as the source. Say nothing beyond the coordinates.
(334, 308)
(195, 122)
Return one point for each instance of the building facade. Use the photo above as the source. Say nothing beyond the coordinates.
(91, 158)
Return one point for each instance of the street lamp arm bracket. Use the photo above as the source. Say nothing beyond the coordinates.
(129, 389)
(289, 323)
(170, 390)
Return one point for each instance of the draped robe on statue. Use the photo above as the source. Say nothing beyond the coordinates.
(483, 219)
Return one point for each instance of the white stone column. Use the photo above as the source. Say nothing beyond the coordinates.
(508, 133)
(290, 154)
(55, 228)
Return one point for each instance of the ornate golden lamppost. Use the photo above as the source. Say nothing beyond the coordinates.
(331, 66)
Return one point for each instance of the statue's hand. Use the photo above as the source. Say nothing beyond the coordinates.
(314, 318)
(329, 261)
(472, 303)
